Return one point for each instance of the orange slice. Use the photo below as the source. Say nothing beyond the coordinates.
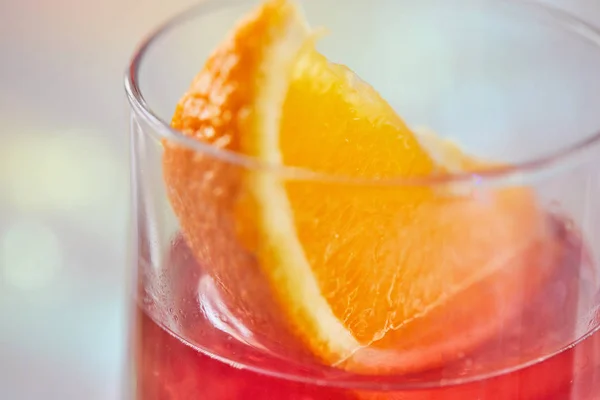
(368, 276)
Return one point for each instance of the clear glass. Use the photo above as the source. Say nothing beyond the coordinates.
(509, 80)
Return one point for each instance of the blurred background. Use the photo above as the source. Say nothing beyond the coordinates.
(64, 195)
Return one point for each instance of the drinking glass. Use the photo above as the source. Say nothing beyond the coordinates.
(516, 82)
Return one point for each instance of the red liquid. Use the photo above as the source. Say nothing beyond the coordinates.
(168, 369)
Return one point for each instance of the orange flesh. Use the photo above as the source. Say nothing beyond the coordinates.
(413, 271)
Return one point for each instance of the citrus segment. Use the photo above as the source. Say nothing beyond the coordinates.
(338, 266)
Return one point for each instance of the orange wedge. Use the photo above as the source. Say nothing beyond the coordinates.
(365, 275)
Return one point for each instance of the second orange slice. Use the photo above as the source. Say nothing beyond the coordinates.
(361, 274)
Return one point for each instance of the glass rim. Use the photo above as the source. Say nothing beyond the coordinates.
(503, 173)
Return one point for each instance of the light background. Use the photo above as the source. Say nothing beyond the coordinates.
(64, 191)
